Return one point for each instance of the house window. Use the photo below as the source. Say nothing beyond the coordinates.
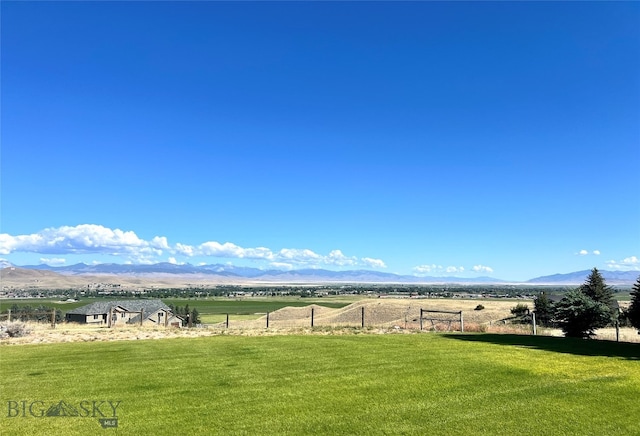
(121, 314)
(161, 314)
(95, 316)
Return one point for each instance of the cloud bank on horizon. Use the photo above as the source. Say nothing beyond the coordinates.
(128, 247)
(87, 239)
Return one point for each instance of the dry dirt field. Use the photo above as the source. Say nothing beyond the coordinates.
(382, 316)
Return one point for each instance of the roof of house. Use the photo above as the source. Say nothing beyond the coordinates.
(101, 307)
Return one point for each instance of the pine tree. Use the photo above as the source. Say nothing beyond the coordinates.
(634, 309)
(544, 310)
(596, 288)
(195, 316)
(579, 315)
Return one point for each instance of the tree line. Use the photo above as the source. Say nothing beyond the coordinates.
(591, 306)
(191, 316)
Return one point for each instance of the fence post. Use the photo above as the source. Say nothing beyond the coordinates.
(9, 315)
(267, 319)
(362, 324)
(533, 322)
(110, 316)
(617, 331)
(420, 318)
(141, 317)
(461, 322)
(227, 323)
(53, 318)
(312, 317)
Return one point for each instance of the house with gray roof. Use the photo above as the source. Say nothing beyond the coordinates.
(125, 312)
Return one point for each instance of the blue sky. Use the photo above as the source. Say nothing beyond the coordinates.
(428, 138)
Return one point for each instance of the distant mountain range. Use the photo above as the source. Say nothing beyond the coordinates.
(272, 275)
(166, 269)
(611, 277)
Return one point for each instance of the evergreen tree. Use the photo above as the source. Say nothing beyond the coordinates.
(544, 310)
(634, 310)
(579, 315)
(595, 288)
(195, 316)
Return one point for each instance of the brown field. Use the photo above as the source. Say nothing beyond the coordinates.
(389, 313)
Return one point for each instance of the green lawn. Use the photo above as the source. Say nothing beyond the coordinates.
(352, 384)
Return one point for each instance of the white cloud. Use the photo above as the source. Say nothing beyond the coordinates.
(373, 263)
(258, 253)
(583, 252)
(438, 269)
(81, 239)
(284, 258)
(54, 261)
(423, 269)
(336, 257)
(213, 248)
(172, 260)
(9, 244)
(230, 250)
(183, 249)
(299, 255)
(596, 252)
(631, 263)
(482, 268)
(160, 242)
(586, 252)
(97, 239)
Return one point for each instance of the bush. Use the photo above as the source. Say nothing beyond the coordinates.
(520, 310)
(623, 318)
(479, 307)
(14, 329)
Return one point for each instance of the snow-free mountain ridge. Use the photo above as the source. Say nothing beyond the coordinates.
(314, 275)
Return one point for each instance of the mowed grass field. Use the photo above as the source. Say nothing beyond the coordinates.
(369, 384)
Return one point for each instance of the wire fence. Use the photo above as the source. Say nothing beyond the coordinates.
(48, 316)
(409, 317)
